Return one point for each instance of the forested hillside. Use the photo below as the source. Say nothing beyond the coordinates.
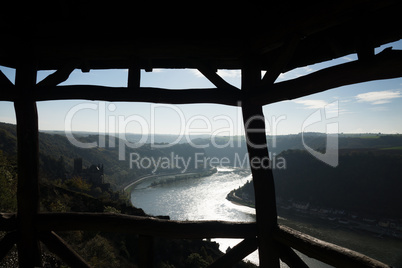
(56, 151)
(62, 191)
(366, 181)
(229, 147)
(8, 183)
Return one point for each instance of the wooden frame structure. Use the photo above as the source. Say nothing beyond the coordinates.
(308, 33)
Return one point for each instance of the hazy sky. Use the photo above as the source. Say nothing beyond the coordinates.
(367, 107)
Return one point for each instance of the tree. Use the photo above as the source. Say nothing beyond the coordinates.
(100, 252)
(196, 261)
(8, 185)
(78, 183)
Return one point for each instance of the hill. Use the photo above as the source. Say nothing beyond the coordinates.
(62, 191)
(366, 182)
(146, 159)
(232, 147)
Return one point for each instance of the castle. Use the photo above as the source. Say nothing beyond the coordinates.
(92, 174)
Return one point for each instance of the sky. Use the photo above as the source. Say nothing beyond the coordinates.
(371, 107)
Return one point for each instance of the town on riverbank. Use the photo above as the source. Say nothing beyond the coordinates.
(339, 218)
(336, 218)
(166, 178)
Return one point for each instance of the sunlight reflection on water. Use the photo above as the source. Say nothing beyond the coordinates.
(199, 199)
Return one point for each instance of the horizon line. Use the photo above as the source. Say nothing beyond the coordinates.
(210, 134)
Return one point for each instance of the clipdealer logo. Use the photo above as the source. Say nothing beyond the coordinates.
(114, 126)
(326, 114)
(175, 161)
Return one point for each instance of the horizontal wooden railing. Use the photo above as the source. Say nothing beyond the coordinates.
(385, 65)
(285, 237)
(326, 252)
(144, 225)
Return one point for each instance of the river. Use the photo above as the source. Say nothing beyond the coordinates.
(205, 199)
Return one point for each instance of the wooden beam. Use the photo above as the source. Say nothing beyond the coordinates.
(365, 52)
(7, 93)
(85, 68)
(213, 77)
(29, 254)
(326, 252)
(363, 37)
(317, 18)
(4, 81)
(236, 254)
(134, 77)
(290, 257)
(364, 48)
(143, 94)
(59, 247)
(385, 65)
(8, 221)
(146, 251)
(7, 243)
(281, 61)
(144, 225)
(264, 189)
(60, 75)
(148, 66)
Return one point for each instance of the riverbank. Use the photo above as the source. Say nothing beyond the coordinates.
(197, 199)
(205, 199)
(232, 197)
(172, 178)
(336, 218)
(167, 178)
(368, 240)
(383, 248)
(131, 186)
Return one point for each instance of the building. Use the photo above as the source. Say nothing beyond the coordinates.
(92, 174)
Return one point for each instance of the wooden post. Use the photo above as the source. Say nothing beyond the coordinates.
(264, 188)
(146, 251)
(236, 254)
(134, 76)
(29, 254)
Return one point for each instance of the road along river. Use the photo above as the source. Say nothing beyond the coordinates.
(205, 199)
